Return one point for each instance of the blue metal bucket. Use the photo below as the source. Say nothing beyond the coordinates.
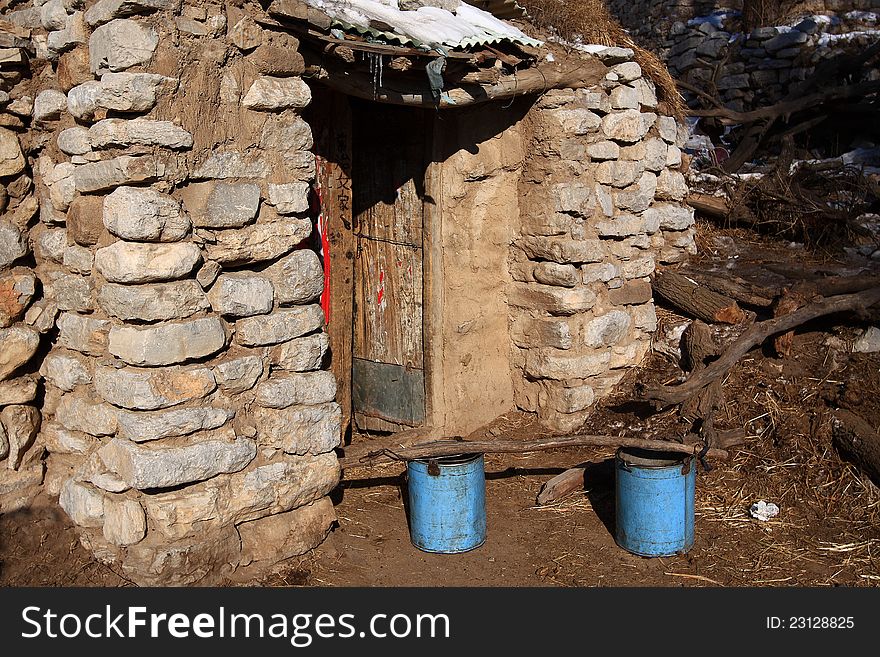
(654, 502)
(447, 503)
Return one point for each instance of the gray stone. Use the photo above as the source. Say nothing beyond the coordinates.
(548, 363)
(13, 243)
(64, 371)
(603, 150)
(21, 424)
(239, 374)
(572, 197)
(241, 295)
(574, 121)
(284, 484)
(124, 92)
(18, 391)
(258, 242)
(280, 326)
(105, 11)
(109, 482)
(122, 133)
(671, 217)
(53, 15)
(190, 26)
(624, 97)
(221, 205)
(144, 215)
(299, 430)
(124, 521)
(552, 273)
(561, 250)
(41, 315)
(78, 259)
(673, 157)
(145, 468)
(290, 198)
(656, 154)
(619, 173)
(568, 400)
(604, 272)
(645, 317)
(121, 44)
(286, 133)
(49, 104)
(11, 158)
(627, 71)
(628, 126)
(74, 141)
(527, 332)
(671, 185)
(298, 278)
(208, 273)
(785, 40)
(295, 388)
(608, 329)
(245, 34)
(271, 93)
(59, 440)
(230, 164)
(868, 342)
(82, 503)
(76, 413)
(17, 289)
(149, 390)
(639, 196)
(740, 81)
(123, 170)
(73, 293)
(151, 303)
(622, 225)
(279, 537)
(153, 425)
(124, 262)
(668, 129)
(73, 33)
(638, 267)
(18, 345)
(551, 299)
(167, 344)
(646, 91)
(301, 354)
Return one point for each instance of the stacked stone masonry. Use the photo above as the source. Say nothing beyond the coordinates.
(163, 357)
(603, 199)
(156, 266)
(758, 68)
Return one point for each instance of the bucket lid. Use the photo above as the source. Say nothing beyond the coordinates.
(647, 458)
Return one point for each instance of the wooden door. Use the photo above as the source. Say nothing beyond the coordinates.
(388, 172)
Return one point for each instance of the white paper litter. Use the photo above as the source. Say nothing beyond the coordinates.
(763, 511)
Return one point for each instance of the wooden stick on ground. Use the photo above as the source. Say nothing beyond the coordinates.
(755, 335)
(439, 448)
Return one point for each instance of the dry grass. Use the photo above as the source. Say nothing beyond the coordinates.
(590, 21)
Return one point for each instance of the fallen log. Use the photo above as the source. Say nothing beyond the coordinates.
(711, 206)
(857, 439)
(755, 335)
(696, 300)
(438, 448)
(736, 288)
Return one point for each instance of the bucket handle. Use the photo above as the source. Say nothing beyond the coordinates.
(433, 468)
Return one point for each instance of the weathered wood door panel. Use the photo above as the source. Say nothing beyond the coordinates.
(388, 172)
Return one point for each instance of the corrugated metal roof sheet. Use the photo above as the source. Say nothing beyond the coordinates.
(465, 26)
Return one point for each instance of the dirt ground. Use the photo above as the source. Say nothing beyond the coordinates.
(826, 534)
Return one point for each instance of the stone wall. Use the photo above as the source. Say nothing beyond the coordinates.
(601, 202)
(24, 320)
(187, 413)
(748, 70)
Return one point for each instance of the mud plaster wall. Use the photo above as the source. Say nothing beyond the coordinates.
(478, 202)
(173, 336)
